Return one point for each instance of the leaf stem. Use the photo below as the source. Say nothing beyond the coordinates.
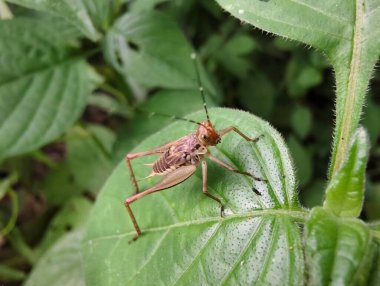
(12, 221)
(351, 113)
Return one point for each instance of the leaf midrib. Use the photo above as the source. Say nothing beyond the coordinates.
(296, 214)
(343, 140)
(42, 69)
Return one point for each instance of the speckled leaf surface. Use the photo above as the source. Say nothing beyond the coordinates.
(185, 240)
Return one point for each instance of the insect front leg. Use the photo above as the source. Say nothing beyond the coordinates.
(204, 188)
(229, 167)
(232, 128)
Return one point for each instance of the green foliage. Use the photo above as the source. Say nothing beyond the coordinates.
(89, 16)
(84, 82)
(345, 192)
(259, 232)
(61, 265)
(338, 251)
(131, 47)
(345, 30)
(41, 94)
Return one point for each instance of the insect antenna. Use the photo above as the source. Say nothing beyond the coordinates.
(173, 117)
(201, 89)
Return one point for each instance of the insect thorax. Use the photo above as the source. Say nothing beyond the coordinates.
(186, 151)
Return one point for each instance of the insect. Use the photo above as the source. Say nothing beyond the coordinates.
(179, 159)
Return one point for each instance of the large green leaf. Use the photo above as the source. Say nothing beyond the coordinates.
(185, 240)
(338, 251)
(347, 31)
(89, 16)
(345, 192)
(43, 85)
(150, 48)
(61, 265)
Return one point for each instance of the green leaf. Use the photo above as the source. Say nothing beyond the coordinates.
(345, 192)
(88, 156)
(110, 105)
(144, 5)
(257, 94)
(301, 121)
(347, 31)
(301, 75)
(59, 186)
(185, 240)
(61, 265)
(231, 54)
(375, 271)
(10, 274)
(338, 251)
(303, 160)
(132, 48)
(73, 215)
(43, 86)
(88, 15)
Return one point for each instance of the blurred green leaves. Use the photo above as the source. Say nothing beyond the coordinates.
(90, 16)
(132, 49)
(43, 86)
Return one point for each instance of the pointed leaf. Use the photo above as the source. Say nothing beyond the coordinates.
(338, 251)
(345, 192)
(347, 31)
(151, 48)
(185, 240)
(43, 86)
(61, 265)
(89, 16)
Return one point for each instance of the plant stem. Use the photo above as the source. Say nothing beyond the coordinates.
(350, 98)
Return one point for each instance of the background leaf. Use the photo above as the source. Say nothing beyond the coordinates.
(345, 192)
(88, 15)
(43, 86)
(131, 48)
(347, 31)
(73, 215)
(338, 251)
(89, 156)
(186, 240)
(61, 265)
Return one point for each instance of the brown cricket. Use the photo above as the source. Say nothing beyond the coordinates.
(180, 158)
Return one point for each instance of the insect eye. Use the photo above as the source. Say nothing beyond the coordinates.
(204, 137)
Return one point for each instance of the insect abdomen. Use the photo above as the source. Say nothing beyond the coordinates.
(162, 167)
